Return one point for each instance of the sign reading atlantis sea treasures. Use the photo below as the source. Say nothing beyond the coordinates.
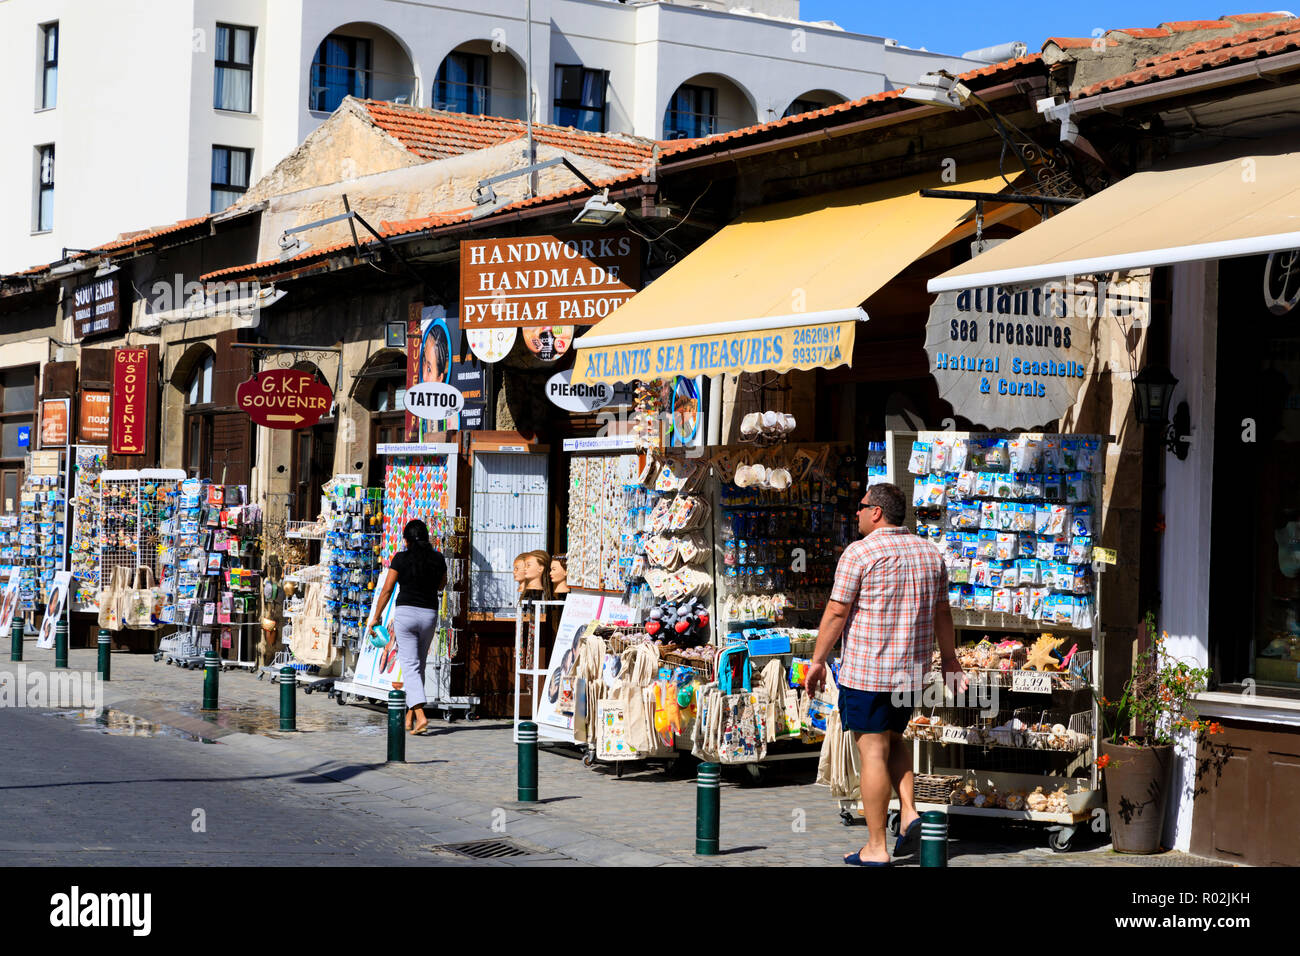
(1016, 357)
(775, 350)
(544, 280)
(284, 398)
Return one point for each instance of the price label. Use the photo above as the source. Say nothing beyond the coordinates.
(1031, 682)
(954, 735)
(1105, 555)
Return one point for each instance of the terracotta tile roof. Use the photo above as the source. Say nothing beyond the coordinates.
(126, 241)
(1274, 38)
(1075, 43)
(406, 227)
(438, 134)
(678, 147)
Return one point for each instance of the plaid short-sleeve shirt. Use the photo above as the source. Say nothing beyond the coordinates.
(892, 580)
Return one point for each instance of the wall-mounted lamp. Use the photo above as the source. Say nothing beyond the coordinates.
(1153, 389)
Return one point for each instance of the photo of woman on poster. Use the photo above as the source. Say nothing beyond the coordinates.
(435, 352)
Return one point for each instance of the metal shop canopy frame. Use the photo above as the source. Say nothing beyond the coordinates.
(1238, 206)
(778, 289)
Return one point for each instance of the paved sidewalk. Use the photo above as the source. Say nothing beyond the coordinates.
(458, 784)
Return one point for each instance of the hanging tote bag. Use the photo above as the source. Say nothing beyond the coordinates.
(110, 610)
(311, 642)
(138, 600)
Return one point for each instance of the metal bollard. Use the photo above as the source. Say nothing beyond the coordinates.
(61, 641)
(105, 656)
(934, 838)
(16, 639)
(396, 727)
(527, 772)
(211, 670)
(288, 698)
(708, 781)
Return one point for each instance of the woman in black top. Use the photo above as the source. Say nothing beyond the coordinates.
(420, 573)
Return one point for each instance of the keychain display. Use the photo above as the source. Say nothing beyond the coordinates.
(89, 462)
(608, 521)
(355, 538)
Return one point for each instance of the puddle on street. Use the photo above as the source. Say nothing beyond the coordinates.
(252, 719)
(120, 724)
(236, 718)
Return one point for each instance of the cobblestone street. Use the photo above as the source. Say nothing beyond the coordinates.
(325, 794)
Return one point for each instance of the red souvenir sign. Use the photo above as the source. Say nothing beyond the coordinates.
(284, 398)
(130, 401)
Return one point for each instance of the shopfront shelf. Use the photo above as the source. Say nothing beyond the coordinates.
(1000, 621)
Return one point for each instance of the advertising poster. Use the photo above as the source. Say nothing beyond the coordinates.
(54, 422)
(9, 600)
(377, 666)
(581, 609)
(54, 608)
(437, 353)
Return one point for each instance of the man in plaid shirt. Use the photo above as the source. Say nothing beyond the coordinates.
(890, 603)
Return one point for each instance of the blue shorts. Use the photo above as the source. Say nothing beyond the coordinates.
(871, 711)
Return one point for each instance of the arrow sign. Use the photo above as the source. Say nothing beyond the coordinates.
(284, 398)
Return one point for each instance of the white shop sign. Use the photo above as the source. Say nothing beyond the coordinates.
(434, 400)
(1015, 357)
(577, 398)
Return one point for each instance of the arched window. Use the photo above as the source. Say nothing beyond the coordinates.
(198, 417)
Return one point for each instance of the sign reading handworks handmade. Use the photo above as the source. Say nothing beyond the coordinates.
(545, 280)
(284, 398)
(96, 307)
(130, 401)
(1016, 357)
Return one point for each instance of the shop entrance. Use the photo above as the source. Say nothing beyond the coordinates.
(313, 465)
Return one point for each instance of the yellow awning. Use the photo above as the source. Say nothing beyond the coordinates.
(1191, 211)
(778, 289)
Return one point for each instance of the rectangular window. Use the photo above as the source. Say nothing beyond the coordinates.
(692, 112)
(340, 68)
(233, 87)
(17, 414)
(580, 98)
(44, 212)
(463, 85)
(230, 167)
(50, 68)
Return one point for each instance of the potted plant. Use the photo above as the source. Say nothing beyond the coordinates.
(1137, 743)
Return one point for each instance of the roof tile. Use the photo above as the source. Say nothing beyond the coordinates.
(438, 134)
(1275, 37)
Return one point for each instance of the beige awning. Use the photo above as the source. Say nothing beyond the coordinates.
(1234, 207)
(781, 287)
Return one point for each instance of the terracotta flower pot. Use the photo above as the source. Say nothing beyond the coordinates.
(1137, 793)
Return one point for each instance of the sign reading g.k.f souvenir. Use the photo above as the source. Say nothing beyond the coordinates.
(284, 398)
(545, 280)
(130, 401)
(1016, 357)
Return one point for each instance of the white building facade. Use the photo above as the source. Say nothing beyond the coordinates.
(132, 113)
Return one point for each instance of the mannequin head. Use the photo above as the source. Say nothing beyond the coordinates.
(560, 573)
(536, 565)
(520, 575)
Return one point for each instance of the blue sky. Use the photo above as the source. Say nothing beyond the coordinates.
(948, 26)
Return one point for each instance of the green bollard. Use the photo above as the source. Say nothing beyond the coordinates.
(211, 670)
(708, 781)
(934, 838)
(105, 655)
(288, 698)
(16, 639)
(526, 737)
(61, 642)
(396, 726)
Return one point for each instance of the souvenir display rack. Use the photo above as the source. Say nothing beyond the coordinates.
(88, 464)
(42, 528)
(1013, 516)
(217, 560)
(354, 519)
(420, 481)
(609, 514)
(119, 523)
(134, 511)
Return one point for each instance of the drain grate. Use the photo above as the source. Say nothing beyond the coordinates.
(487, 849)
